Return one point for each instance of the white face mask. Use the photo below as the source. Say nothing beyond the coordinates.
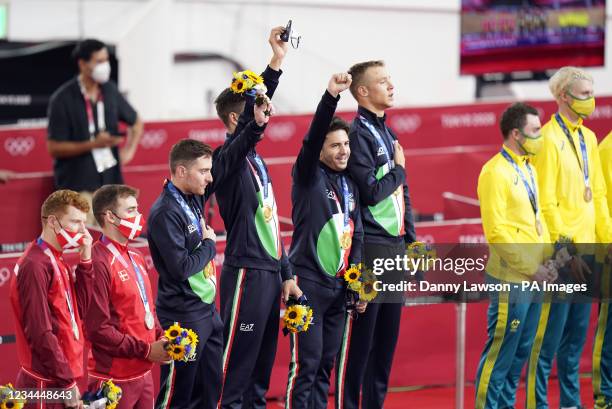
(101, 72)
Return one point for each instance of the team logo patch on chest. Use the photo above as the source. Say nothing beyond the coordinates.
(191, 228)
(351, 202)
(123, 275)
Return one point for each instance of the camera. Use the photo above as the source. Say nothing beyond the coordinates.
(287, 33)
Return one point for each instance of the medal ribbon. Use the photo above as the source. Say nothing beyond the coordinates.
(379, 140)
(583, 150)
(531, 191)
(140, 281)
(65, 286)
(186, 208)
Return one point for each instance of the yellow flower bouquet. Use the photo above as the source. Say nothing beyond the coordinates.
(181, 343)
(249, 83)
(361, 283)
(9, 399)
(418, 254)
(298, 316)
(108, 396)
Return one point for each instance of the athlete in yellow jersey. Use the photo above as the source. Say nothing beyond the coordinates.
(519, 245)
(602, 347)
(572, 191)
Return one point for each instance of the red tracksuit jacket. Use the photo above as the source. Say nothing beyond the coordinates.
(115, 316)
(46, 344)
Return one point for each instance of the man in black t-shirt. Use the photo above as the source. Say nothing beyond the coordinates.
(83, 131)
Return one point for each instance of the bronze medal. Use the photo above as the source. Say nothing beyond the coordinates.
(539, 228)
(588, 194)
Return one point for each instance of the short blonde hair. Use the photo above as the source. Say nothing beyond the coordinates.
(358, 72)
(562, 80)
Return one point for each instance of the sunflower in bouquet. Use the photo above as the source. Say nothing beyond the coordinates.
(182, 343)
(112, 393)
(7, 401)
(298, 316)
(419, 254)
(361, 281)
(108, 396)
(249, 83)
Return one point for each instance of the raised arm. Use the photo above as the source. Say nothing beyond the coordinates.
(307, 162)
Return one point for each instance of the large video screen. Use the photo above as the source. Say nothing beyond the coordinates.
(502, 36)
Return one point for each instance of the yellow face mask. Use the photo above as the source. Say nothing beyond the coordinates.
(532, 144)
(582, 107)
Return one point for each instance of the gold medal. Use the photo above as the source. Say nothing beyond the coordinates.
(208, 270)
(346, 241)
(267, 212)
(588, 194)
(539, 228)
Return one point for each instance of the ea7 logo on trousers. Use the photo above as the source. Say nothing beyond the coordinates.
(247, 327)
(19, 146)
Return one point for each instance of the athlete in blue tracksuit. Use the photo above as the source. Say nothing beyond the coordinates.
(183, 250)
(255, 266)
(377, 166)
(325, 210)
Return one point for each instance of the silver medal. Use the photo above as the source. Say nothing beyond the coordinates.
(149, 321)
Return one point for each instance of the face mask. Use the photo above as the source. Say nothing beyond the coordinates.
(131, 227)
(532, 144)
(582, 107)
(69, 240)
(101, 72)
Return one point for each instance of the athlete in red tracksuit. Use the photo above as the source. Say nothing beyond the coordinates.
(120, 320)
(44, 303)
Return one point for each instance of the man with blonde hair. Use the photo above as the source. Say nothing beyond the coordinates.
(572, 190)
(377, 165)
(45, 307)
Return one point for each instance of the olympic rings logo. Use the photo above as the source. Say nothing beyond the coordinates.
(153, 139)
(406, 123)
(19, 146)
(5, 275)
(280, 131)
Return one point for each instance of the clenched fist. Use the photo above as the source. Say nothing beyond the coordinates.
(338, 83)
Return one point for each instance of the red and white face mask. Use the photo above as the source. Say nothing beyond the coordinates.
(131, 227)
(69, 240)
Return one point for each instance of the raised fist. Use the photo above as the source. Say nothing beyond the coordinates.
(338, 83)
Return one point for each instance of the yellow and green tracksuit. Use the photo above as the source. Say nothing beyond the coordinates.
(560, 167)
(516, 251)
(602, 347)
